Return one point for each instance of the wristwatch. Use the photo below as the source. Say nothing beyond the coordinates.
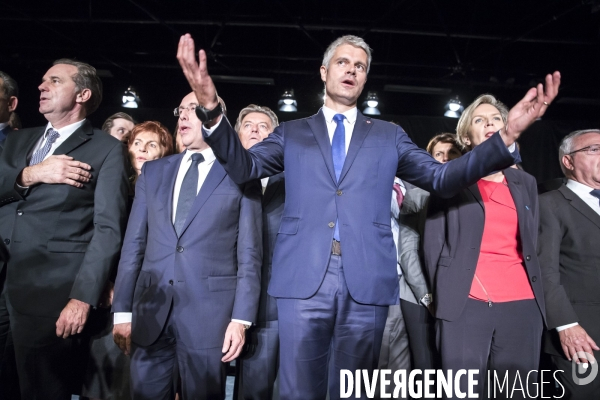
(206, 115)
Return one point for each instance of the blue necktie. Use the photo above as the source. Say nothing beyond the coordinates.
(187, 193)
(338, 152)
(596, 193)
(39, 155)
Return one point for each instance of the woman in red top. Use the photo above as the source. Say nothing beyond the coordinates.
(480, 254)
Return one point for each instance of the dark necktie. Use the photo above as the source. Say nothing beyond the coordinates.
(187, 193)
(399, 195)
(41, 153)
(596, 193)
(338, 152)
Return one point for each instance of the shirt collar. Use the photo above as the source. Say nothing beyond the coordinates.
(350, 114)
(579, 188)
(208, 154)
(65, 131)
(3, 125)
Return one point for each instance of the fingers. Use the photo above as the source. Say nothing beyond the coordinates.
(203, 67)
(128, 345)
(60, 327)
(567, 352)
(234, 350)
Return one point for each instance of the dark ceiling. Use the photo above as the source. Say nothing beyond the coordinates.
(454, 48)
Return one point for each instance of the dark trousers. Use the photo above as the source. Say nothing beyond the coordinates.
(9, 380)
(49, 367)
(420, 327)
(257, 368)
(323, 334)
(395, 350)
(573, 391)
(503, 338)
(154, 369)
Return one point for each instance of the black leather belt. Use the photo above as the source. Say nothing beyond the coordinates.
(336, 248)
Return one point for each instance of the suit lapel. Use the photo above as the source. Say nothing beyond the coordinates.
(272, 187)
(213, 179)
(474, 189)
(580, 205)
(77, 138)
(167, 188)
(30, 142)
(516, 192)
(362, 127)
(319, 130)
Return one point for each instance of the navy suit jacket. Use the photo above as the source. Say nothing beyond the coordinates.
(210, 274)
(453, 233)
(360, 200)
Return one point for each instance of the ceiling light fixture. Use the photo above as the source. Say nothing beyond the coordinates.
(288, 102)
(454, 108)
(130, 98)
(371, 104)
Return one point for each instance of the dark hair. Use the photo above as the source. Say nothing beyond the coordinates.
(9, 86)
(443, 138)
(109, 123)
(85, 78)
(164, 136)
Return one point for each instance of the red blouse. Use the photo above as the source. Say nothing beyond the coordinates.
(500, 266)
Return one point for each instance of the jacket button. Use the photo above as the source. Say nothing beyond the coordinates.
(339, 192)
(6, 241)
(533, 278)
(171, 282)
(19, 212)
(179, 249)
(331, 224)
(528, 258)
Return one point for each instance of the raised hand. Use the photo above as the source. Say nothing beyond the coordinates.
(196, 73)
(531, 107)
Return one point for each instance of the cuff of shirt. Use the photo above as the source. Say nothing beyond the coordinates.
(209, 131)
(240, 321)
(563, 327)
(121, 317)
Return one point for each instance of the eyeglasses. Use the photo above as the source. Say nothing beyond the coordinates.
(592, 150)
(179, 110)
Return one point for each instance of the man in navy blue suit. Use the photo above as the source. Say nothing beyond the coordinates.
(334, 265)
(188, 282)
(9, 98)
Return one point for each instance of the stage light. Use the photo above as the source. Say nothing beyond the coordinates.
(130, 98)
(453, 108)
(288, 102)
(371, 104)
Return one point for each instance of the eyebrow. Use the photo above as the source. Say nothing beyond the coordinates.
(479, 115)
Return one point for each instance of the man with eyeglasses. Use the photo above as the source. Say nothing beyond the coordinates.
(189, 276)
(569, 254)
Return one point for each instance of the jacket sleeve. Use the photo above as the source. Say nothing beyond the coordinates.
(249, 254)
(559, 310)
(110, 203)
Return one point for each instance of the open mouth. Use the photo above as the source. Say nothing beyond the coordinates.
(348, 82)
(489, 134)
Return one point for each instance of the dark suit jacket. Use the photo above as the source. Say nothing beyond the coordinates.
(569, 253)
(63, 240)
(453, 233)
(272, 209)
(211, 273)
(360, 200)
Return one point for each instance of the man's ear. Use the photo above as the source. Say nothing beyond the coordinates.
(567, 161)
(12, 103)
(83, 96)
(323, 71)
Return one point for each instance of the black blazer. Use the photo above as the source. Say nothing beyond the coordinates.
(63, 240)
(453, 233)
(569, 253)
(272, 208)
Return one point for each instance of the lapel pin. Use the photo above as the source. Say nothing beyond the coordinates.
(368, 121)
(527, 207)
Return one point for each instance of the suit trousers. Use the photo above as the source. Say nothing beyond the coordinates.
(49, 367)
(573, 391)
(420, 327)
(395, 350)
(154, 368)
(9, 380)
(325, 333)
(505, 338)
(257, 368)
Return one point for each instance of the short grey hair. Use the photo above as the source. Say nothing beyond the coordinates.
(9, 86)
(85, 78)
(464, 123)
(253, 108)
(352, 41)
(567, 146)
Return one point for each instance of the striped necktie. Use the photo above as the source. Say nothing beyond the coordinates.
(41, 153)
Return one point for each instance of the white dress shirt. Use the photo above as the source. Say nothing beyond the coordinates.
(583, 191)
(3, 125)
(64, 132)
(264, 182)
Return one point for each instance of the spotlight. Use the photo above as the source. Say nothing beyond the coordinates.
(130, 98)
(453, 108)
(288, 102)
(371, 104)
